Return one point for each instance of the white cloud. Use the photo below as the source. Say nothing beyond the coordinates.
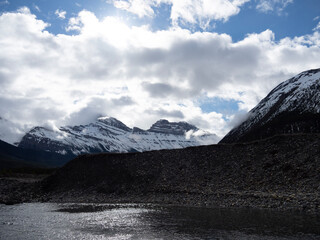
(185, 11)
(198, 135)
(317, 27)
(61, 13)
(203, 11)
(267, 6)
(135, 74)
(37, 8)
(11, 132)
(24, 10)
(139, 7)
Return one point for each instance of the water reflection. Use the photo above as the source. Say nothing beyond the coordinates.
(132, 221)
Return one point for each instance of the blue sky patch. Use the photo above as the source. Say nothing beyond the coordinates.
(296, 19)
(219, 105)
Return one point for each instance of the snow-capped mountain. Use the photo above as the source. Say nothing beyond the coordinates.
(291, 107)
(176, 128)
(108, 134)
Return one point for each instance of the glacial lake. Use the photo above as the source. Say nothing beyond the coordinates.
(34, 221)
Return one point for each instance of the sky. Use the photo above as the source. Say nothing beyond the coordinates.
(207, 62)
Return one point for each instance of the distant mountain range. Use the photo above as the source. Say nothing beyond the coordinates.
(291, 107)
(108, 134)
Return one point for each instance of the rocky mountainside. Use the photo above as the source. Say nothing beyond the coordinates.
(108, 134)
(166, 127)
(291, 107)
(278, 172)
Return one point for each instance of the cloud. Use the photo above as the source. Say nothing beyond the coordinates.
(198, 135)
(317, 27)
(92, 109)
(139, 7)
(135, 74)
(29, 110)
(176, 114)
(200, 12)
(24, 10)
(61, 13)
(122, 101)
(20, 114)
(267, 6)
(237, 119)
(11, 132)
(163, 90)
(203, 11)
(37, 7)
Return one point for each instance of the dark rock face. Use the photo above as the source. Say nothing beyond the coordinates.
(280, 172)
(136, 130)
(292, 107)
(176, 128)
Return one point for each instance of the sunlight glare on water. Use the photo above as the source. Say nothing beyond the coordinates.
(132, 221)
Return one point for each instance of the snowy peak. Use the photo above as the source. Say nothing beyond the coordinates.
(297, 93)
(175, 128)
(292, 107)
(137, 130)
(111, 135)
(110, 121)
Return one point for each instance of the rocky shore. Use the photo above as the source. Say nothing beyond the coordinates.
(282, 172)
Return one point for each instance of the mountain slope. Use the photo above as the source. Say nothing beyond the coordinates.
(291, 107)
(166, 127)
(111, 135)
(13, 157)
(278, 172)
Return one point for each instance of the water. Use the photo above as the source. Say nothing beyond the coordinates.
(133, 221)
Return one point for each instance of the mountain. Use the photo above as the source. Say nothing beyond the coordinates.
(15, 157)
(108, 134)
(166, 127)
(279, 172)
(291, 107)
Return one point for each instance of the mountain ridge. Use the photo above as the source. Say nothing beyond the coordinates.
(291, 107)
(108, 134)
(277, 172)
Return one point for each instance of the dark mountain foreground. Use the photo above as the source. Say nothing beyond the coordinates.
(12, 157)
(280, 172)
